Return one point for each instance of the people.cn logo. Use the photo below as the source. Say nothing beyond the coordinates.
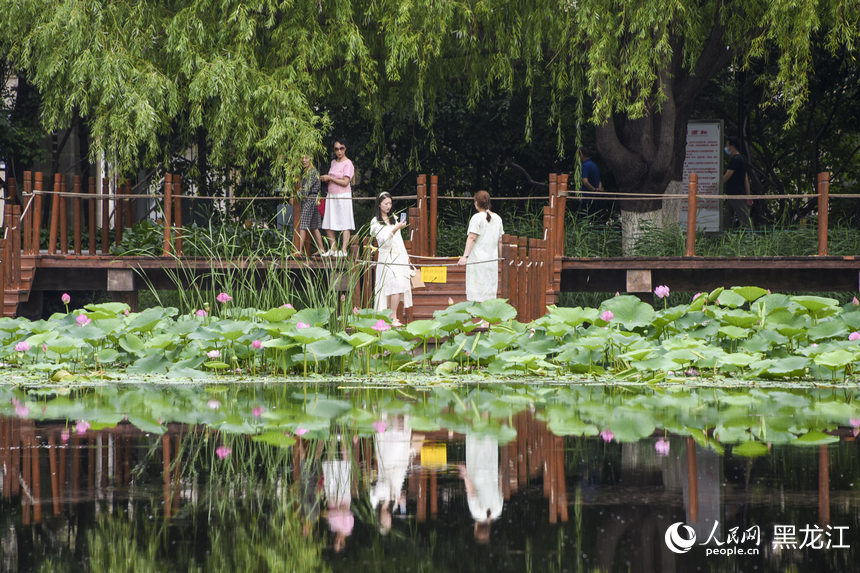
(675, 542)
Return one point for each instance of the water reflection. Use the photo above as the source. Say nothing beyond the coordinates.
(445, 480)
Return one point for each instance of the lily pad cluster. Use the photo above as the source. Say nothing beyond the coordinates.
(743, 332)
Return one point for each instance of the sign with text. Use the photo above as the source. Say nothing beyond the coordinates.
(704, 146)
(434, 274)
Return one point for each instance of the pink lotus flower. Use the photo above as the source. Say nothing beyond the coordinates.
(64, 435)
(450, 301)
(257, 411)
(202, 312)
(381, 326)
(223, 452)
(854, 336)
(223, 298)
(301, 431)
(855, 423)
(21, 410)
(81, 427)
(214, 354)
(380, 426)
(302, 325)
(768, 291)
(855, 302)
(286, 305)
(697, 295)
(607, 316)
(661, 291)
(213, 404)
(66, 298)
(22, 346)
(355, 310)
(607, 435)
(662, 447)
(355, 439)
(256, 345)
(82, 320)
(126, 312)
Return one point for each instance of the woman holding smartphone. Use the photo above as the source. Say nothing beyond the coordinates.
(393, 274)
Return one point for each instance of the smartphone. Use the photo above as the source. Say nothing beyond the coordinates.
(403, 217)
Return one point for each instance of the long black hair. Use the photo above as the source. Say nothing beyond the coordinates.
(482, 198)
(377, 212)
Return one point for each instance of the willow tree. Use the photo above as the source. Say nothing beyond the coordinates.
(253, 73)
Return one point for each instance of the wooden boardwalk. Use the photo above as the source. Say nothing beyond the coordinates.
(532, 275)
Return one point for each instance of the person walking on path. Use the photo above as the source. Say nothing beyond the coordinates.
(736, 182)
(393, 274)
(338, 211)
(310, 219)
(484, 243)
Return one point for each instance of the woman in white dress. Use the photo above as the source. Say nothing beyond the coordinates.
(395, 448)
(484, 243)
(393, 274)
(338, 211)
(483, 483)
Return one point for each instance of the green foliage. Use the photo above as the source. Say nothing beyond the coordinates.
(735, 332)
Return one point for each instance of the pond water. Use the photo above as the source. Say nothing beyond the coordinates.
(443, 478)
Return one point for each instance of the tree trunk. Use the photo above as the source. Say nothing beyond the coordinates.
(647, 154)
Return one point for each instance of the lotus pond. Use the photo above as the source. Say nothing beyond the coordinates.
(739, 333)
(428, 477)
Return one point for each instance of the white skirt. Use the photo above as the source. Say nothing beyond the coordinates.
(338, 213)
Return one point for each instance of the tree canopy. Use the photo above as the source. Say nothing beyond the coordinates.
(256, 76)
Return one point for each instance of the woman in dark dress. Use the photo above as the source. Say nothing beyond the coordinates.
(310, 219)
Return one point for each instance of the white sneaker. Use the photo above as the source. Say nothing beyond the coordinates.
(339, 254)
(328, 253)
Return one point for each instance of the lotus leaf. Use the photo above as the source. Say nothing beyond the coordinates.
(312, 316)
(836, 359)
(493, 311)
(111, 308)
(629, 311)
(827, 329)
(277, 314)
(422, 329)
(107, 355)
(740, 359)
(573, 316)
(815, 438)
(771, 303)
(738, 317)
(155, 364)
(309, 335)
(146, 320)
(715, 294)
(274, 438)
(731, 299)
(750, 449)
(750, 293)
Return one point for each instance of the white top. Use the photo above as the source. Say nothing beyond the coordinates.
(482, 280)
(337, 480)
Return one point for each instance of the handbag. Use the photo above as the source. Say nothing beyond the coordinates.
(416, 279)
(321, 206)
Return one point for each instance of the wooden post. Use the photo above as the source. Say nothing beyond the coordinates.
(129, 216)
(434, 203)
(419, 238)
(118, 217)
(105, 216)
(522, 279)
(35, 477)
(165, 460)
(15, 237)
(12, 190)
(55, 215)
(562, 487)
(26, 226)
(36, 242)
(4, 272)
(168, 191)
(692, 480)
(823, 212)
(177, 212)
(823, 485)
(55, 478)
(504, 268)
(91, 209)
(64, 217)
(76, 225)
(692, 210)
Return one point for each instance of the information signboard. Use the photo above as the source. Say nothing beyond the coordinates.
(704, 146)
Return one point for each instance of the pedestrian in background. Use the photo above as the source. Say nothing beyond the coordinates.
(338, 209)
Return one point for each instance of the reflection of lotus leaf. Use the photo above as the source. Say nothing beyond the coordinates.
(815, 438)
(750, 449)
(631, 426)
(274, 438)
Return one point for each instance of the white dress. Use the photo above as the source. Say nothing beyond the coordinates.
(393, 454)
(338, 210)
(392, 271)
(482, 466)
(482, 280)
